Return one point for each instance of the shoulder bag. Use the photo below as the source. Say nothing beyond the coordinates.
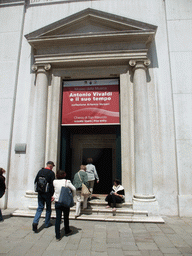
(66, 197)
(84, 190)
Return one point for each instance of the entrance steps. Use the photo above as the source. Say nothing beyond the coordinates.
(97, 211)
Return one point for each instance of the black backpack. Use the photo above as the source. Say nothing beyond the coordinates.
(42, 185)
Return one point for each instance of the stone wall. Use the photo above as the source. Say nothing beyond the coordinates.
(168, 86)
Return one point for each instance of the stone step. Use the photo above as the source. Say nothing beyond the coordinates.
(103, 203)
(103, 211)
(97, 201)
(128, 219)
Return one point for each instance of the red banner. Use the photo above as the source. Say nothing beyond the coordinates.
(91, 105)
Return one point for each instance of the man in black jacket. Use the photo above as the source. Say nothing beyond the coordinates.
(44, 196)
(2, 188)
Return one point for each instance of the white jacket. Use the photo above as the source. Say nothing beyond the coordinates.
(58, 184)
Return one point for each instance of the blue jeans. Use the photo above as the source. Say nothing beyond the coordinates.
(59, 209)
(42, 199)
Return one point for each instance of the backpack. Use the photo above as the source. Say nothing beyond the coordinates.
(42, 185)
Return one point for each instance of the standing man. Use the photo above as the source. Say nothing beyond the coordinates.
(2, 188)
(44, 187)
(92, 174)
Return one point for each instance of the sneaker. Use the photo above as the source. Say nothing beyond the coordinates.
(114, 210)
(107, 206)
(68, 233)
(58, 239)
(34, 227)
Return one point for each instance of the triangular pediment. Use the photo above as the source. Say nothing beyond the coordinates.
(91, 37)
(90, 22)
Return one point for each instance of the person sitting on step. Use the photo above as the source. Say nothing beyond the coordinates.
(117, 195)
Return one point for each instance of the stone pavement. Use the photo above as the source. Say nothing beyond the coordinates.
(97, 238)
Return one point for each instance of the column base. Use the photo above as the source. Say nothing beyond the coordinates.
(146, 203)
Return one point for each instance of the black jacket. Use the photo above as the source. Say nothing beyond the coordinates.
(2, 185)
(49, 175)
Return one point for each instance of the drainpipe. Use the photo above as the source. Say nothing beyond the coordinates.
(13, 107)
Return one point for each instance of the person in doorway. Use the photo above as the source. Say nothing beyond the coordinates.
(80, 176)
(117, 195)
(44, 187)
(58, 184)
(2, 189)
(92, 174)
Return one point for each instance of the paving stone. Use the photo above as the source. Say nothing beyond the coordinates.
(52, 252)
(155, 253)
(132, 253)
(98, 238)
(114, 245)
(83, 253)
(69, 253)
(20, 249)
(177, 240)
(163, 241)
(129, 247)
(85, 244)
(113, 240)
(71, 246)
(98, 247)
(99, 254)
(147, 246)
(169, 250)
(115, 252)
(185, 250)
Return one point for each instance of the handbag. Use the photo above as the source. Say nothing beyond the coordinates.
(84, 190)
(66, 197)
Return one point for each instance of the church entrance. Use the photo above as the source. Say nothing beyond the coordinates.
(102, 158)
(91, 129)
(102, 143)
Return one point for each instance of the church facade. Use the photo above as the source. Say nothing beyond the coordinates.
(107, 79)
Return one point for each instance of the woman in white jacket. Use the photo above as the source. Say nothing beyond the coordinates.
(58, 184)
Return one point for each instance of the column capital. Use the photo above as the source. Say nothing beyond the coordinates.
(36, 67)
(140, 63)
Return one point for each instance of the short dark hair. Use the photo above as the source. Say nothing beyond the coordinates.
(1, 171)
(51, 163)
(90, 160)
(117, 181)
(60, 174)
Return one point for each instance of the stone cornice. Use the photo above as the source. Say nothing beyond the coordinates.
(111, 57)
(125, 36)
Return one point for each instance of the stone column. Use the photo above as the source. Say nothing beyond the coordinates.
(39, 130)
(142, 138)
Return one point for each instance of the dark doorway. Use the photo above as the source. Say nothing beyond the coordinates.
(102, 159)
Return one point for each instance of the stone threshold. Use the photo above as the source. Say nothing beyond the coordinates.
(92, 217)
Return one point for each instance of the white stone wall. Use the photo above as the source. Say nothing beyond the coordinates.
(179, 25)
(10, 31)
(169, 92)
